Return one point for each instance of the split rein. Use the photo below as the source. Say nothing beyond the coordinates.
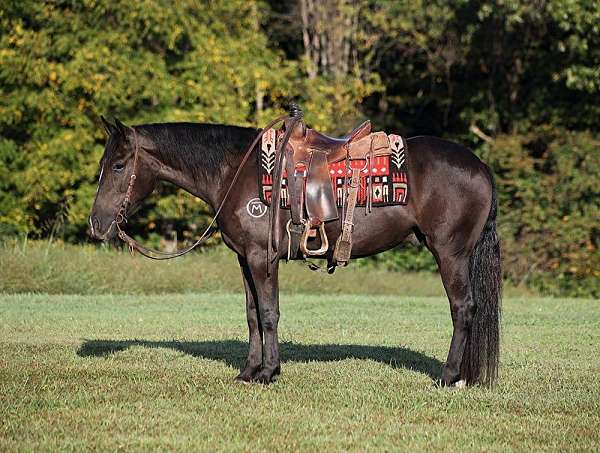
(121, 217)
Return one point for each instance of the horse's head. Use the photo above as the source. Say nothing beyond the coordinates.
(117, 165)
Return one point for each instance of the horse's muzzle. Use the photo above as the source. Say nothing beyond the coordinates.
(97, 232)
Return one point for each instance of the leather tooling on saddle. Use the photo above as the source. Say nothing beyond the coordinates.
(322, 179)
(388, 173)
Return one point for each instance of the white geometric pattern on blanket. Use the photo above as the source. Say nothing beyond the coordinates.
(268, 150)
(397, 147)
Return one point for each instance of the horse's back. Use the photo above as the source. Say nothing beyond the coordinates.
(430, 152)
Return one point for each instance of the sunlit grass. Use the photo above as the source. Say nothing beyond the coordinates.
(106, 372)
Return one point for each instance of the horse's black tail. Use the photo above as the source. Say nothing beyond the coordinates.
(482, 351)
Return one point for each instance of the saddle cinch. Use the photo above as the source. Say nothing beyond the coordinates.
(304, 157)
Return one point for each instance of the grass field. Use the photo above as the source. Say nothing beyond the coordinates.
(58, 268)
(156, 372)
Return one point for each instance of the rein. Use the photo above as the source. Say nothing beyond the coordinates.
(121, 217)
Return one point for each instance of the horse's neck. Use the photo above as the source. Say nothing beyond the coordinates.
(209, 189)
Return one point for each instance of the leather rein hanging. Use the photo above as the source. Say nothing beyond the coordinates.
(121, 217)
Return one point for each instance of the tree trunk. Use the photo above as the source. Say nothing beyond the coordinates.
(327, 32)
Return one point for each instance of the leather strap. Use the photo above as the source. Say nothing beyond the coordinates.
(296, 179)
(274, 213)
(343, 246)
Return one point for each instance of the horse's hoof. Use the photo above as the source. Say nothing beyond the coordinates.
(265, 377)
(449, 377)
(248, 374)
(239, 379)
(460, 384)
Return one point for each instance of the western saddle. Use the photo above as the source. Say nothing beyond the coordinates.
(305, 154)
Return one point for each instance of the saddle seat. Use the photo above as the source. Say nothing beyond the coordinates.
(335, 148)
(358, 144)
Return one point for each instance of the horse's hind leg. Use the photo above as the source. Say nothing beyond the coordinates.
(454, 270)
(254, 361)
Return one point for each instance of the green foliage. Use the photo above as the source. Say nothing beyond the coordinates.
(61, 268)
(404, 259)
(550, 208)
(501, 65)
(64, 64)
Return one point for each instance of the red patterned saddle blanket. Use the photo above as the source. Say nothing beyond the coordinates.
(383, 180)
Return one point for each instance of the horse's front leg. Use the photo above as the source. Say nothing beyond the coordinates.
(267, 292)
(254, 361)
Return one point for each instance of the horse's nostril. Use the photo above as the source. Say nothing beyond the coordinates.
(96, 223)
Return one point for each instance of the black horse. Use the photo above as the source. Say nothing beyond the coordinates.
(451, 209)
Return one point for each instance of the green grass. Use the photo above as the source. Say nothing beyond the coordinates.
(56, 268)
(130, 372)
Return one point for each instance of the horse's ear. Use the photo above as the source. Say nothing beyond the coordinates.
(120, 127)
(109, 128)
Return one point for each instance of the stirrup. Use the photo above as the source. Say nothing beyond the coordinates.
(324, 241)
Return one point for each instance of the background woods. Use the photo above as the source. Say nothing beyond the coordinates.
(518, 81)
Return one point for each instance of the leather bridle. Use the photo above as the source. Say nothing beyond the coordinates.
(121, 217)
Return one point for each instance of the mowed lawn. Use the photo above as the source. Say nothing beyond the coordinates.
(156, 372)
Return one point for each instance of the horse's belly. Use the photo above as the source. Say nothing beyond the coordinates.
(381, 229)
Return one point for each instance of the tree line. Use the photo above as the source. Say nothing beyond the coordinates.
(517, 81)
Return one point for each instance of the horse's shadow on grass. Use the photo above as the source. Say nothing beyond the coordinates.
(233, 352)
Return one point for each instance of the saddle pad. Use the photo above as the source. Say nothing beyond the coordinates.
(387, 179)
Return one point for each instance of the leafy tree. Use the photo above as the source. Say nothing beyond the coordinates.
(518, 81)
(550, 208)
(65, 63)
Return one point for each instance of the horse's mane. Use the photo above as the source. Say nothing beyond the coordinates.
(201, 149)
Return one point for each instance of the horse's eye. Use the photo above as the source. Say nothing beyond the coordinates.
(118, 167)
